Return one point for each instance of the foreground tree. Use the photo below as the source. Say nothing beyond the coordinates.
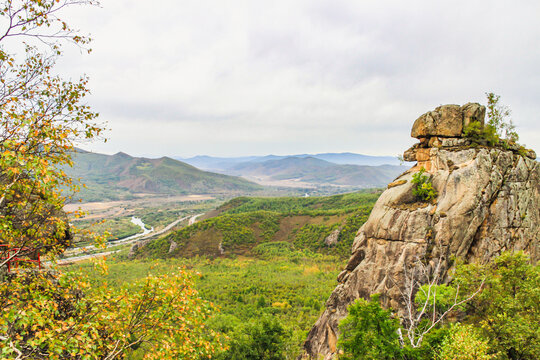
(48, 314)
(499, 118)
(464, 343)
(42, 116)
(264, 340)
(507, 311)
(499, 129)
(63, 317)
(428, 300)
(369, 332)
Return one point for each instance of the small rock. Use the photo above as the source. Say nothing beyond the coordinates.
(220, 248)
(531, 154)
(435, 142)
(343, 276)
(423, 154)
(173, 246)
(133, 251)
(355, 260)
(410, 154)
(332, 239)
(135, 247)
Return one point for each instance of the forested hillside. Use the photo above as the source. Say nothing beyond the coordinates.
(255, 226)
(121, 176)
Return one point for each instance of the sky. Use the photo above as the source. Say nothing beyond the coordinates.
(235, 78)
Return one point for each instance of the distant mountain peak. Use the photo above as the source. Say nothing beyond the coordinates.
(122, 154)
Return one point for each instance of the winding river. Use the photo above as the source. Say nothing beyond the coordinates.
(137, 221)
(75, 254)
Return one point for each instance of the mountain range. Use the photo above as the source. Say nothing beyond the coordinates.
(316, 171)
(222, 164)
(121, 176)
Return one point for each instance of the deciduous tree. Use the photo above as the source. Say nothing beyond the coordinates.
(42, 116)
(49, 314)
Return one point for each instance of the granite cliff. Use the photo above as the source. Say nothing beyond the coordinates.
(488, 201)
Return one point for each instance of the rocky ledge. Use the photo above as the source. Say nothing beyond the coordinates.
(487, 202)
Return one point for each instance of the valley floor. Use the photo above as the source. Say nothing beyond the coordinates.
(290, 288)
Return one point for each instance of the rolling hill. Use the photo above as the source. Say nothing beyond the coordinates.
(317, 171)
(121, 176)
(264, 226)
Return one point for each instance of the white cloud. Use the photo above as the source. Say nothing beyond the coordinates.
(256, 77)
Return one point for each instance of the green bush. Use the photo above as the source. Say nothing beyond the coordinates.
(312, 236)
(368, 332)
(264, 340)
(508, 309)
(464, 342)
(423, 189)
(273, 249)
(499, 129)
(486, 135)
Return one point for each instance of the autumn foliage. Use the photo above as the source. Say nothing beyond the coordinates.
(42, 116)
(64, 317)
(50, 314)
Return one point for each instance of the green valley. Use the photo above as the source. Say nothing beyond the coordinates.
(290, 288)
(274, 270)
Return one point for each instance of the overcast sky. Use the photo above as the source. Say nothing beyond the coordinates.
(232, 78)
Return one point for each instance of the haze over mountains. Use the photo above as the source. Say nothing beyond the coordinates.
(342, 169)
(221, 164)
(121, 176)
(316, 171)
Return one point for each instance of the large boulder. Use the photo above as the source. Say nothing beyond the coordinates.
(473, 112)
(488, 202)
(447, 120)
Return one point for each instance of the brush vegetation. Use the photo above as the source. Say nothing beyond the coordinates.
(242, 225)
(287, 285)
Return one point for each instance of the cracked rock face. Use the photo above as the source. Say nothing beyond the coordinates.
(488, 202)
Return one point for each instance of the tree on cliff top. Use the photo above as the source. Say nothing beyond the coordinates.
(499, 129)
(498, 118)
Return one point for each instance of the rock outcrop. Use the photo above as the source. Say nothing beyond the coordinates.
(488, 202)
(332, 239)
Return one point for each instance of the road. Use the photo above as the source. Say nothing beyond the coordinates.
(73, 255)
